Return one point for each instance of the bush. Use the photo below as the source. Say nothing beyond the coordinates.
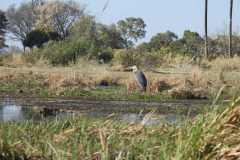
(68, 51)
(126, 57)
(137, 57)
(105, 56)
(59, 53)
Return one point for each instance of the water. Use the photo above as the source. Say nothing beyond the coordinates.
(12, 111)
(48, 109)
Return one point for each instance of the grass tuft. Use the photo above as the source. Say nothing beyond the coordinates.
(212, 135)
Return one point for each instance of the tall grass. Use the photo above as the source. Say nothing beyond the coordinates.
(213, 135)
(200, 81)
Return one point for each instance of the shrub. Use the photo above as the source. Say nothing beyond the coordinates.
(137, 57)
(127, 57)
(67, 51)
(105, 56)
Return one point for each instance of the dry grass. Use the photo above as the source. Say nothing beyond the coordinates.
(14, 60)
(212, 135)
(224, 64)
(198, 83)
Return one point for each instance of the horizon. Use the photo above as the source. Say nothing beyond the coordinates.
(157, 16)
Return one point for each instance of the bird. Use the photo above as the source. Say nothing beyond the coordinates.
(139, 77)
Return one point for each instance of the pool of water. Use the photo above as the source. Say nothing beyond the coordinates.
(10, 111)
(48, 109)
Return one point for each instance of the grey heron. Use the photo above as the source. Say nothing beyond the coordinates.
(140, 78)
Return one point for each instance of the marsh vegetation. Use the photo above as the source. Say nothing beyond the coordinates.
(211, 135)
(72, 63)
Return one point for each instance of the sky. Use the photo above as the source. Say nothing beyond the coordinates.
(161, 15)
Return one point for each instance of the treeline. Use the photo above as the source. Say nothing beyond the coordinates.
(62, 32)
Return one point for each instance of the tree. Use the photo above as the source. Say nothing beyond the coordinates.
(206, 28)
(59, 16)
(85, 27)
(192, 42)
(54, 36)
(110, 37)
(230, 28)
(84, 35)
(37, 2)
(132, 29)
(95, 39)
(38, 38)
(35, 38)
(162, 40)
(21, 21)
(3, 24)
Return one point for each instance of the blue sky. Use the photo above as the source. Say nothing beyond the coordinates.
(162, 15)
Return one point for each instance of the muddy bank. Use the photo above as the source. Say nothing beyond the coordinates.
(109, 105)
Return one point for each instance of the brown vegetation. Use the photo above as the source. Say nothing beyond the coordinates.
(192, 82)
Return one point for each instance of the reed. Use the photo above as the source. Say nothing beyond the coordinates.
(211, 135)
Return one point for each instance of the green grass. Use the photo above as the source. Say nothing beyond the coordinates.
(206, 136)
(114, 93)
(70, 82)
(34, 87)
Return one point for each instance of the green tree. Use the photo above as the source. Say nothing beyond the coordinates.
(110, 37)
(98, 39)
(3, 24)
(162, 40)
(84, 35)
(132, 29)
(85, 27)
(192, 42)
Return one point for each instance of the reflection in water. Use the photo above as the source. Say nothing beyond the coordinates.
(10, 111)
(139, 117)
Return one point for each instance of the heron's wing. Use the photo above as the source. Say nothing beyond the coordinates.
(141, 79)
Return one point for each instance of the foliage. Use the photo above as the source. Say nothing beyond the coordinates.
(219, 46)
(80, 35)
(39, 37)
(64, 52)
(168, 43)
(109, 36)
(59, 16)
(85, 30)
(162, 40)
(3, 24)
(105, 55)
(37, 3)
(35, 38)
(21, 20)
(132, 29)
(213, 134)
(129, 57)
(192, 42)
(86, 38)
